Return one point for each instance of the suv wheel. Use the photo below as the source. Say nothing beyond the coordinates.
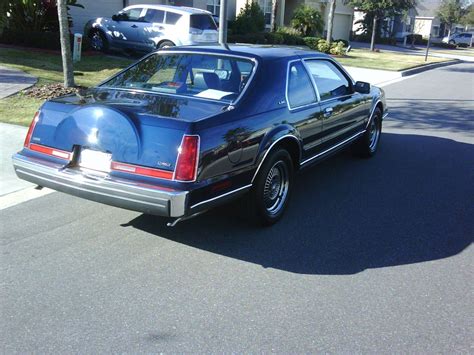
(98, 41)
(165, 44)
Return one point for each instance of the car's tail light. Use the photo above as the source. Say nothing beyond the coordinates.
(186, 166)
(30, 130)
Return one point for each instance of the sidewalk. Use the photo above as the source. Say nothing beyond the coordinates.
(373, 76)
(11, 141)
(13, 80)
(418, 50)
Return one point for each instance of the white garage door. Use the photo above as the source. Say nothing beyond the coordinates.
(342, 26)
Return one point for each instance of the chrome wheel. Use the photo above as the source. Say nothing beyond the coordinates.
(374, 134)
(275, 189)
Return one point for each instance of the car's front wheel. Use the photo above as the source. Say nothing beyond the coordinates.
(452, 42)
(271, 191)
(367, 145)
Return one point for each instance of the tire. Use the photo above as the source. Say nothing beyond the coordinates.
(99, 41)
(367, 145)
(272, 188)
(165, 44)
(452, 42)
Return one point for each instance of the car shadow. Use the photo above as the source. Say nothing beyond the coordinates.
(411, 203)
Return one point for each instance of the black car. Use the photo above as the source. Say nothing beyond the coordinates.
(188, 128)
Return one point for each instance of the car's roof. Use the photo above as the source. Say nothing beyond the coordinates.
(177, 9)
(266, 52)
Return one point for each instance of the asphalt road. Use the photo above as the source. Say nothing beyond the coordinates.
(373, 255)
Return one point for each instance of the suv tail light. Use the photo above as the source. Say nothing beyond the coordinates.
(26, 144)
(186, 166)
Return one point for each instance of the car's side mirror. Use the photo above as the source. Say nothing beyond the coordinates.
(362, 87)
(119, 17)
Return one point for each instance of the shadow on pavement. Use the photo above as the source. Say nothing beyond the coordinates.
(409, 204)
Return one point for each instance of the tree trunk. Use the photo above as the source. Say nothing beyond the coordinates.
(273, 16)
(374, 29)
(449, 33)
(332, 9)
(65, 44)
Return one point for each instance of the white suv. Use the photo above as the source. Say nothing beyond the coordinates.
(150, 27)
(463, 38)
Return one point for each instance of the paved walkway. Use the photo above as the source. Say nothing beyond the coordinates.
(11, 141)
(13, 80)
(418, 50)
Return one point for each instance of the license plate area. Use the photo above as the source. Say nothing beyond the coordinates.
(95, 160)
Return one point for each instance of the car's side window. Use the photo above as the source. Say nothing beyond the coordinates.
(132, 14)
(154, 16)
(172, 18)
(330, 81)
(300, 89)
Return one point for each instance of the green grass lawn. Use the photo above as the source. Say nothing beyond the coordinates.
(47, 67)
(364, 58)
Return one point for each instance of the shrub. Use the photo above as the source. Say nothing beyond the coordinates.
(288, 30)
(337, 48)
(249, 20)
(307, 20)
(312, 42)
(323, 46)
(415, 38)
(346, 43)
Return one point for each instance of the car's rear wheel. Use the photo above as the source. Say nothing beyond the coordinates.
(165, 44)
(98, 41)
(271, 191)
(452, 42)
(367, 145)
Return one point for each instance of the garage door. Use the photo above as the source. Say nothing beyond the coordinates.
(342, 26)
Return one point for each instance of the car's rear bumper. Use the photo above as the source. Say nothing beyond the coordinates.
(151, 199)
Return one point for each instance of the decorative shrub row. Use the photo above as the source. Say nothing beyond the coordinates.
(266, 38)
(320, 44)
(44, 39)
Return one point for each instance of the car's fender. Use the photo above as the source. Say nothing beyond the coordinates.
(283, 134)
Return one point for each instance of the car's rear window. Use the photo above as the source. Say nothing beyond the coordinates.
(205, 76)
(202, 22)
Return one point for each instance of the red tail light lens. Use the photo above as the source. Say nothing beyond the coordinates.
(186, 166)
(30, 130)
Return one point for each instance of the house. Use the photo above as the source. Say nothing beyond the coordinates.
(422, 20)
(343, 17)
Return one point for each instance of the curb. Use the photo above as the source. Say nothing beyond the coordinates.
(427, 67)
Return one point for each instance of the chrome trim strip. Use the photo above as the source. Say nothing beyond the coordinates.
(270, 148)
(166, 52)
(372, 112)
(220, 196)
(286, 87)
(333, 147)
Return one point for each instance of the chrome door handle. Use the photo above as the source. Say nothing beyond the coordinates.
(328, 111)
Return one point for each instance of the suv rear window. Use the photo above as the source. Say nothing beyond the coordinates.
(202, 22)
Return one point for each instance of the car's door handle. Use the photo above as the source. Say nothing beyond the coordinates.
(134, 26)
(328, 111)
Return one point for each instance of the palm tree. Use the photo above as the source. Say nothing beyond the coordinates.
(332, 9)
(65, 44)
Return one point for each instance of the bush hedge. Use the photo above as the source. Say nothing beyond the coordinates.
(266, 38)
(35, 39)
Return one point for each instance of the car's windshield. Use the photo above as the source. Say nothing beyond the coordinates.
(195, 75)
